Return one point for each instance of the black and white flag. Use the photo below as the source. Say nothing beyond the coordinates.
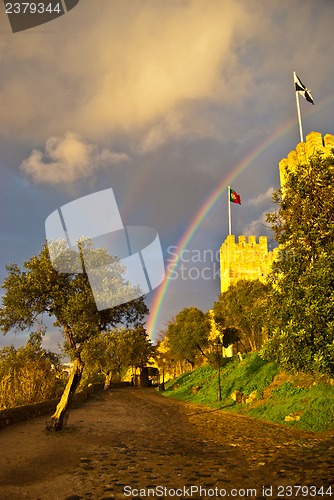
(302, 90)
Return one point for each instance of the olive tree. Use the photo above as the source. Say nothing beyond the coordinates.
(68, 298)
(188, 334)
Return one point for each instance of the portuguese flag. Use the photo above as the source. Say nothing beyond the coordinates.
(235, 197)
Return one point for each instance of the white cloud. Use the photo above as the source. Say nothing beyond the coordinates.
(128, 66)
(68, 159)
(261, 198)
(258, 227)
(119, 66)
(159, 133)
(52, 339)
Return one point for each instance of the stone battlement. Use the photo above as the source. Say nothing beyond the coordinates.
(246, 241)
(314, 143)
(245, 259)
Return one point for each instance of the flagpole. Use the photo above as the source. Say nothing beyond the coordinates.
(229, 209)
(298, 109)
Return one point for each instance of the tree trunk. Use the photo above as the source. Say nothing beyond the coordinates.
(143, 377)
(251, 340)
(107, 381)
(59, 419)
(192, 364)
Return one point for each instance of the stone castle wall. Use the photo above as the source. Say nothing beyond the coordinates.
(304, 151)
(246, 259)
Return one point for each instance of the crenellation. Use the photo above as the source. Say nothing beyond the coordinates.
(292, 157)
(231, 238)
(304, 151)
(247, 259)
(263, 241)
(329, 142)
(313, 143)
(283, 167)
(301, 152)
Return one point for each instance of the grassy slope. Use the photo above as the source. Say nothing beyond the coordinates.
(278, 394)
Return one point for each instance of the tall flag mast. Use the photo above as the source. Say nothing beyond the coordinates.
(234, 197)
(304, 91)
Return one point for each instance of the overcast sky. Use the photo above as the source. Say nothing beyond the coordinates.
(160, 100)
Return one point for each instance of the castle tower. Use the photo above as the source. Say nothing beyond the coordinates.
(248, 259)
(245, 260)
(314, 143)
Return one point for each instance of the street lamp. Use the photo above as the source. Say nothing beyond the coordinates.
(219, 348)
(162, 386)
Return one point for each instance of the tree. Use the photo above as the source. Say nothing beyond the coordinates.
(165, 360)
(67, 297)
(188, 334)
(302, 298)
(140, 349)
(243, 307)
(112, 352)
(29, 374)
(230, 336)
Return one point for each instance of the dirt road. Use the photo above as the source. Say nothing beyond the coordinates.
(133, 443)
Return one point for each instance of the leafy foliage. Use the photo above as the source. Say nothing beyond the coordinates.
(67, 296)
(166, 360)
(302, 298)
(29, 374)
(188, 334)
(112, 352)
(242, 310)
(230, 336)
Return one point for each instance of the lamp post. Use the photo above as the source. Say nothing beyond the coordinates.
(163, 373)
(162, 385)
(219, 347)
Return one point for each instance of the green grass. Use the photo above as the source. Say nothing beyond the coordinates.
(314, 404)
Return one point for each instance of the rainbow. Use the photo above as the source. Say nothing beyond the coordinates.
(208, 205)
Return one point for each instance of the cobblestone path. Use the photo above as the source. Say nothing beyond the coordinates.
(133, 443)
